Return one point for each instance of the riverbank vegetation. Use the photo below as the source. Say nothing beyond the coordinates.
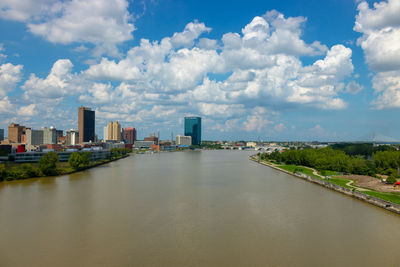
(49, 165)
(334, 161)
(371, 160)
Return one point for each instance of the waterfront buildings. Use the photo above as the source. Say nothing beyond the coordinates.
(193, 129)
(129, 135)
(86, 124)
(143, 144)
(95, 154)
(15, 132)
(183, 140)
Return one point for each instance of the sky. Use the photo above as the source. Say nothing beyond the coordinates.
(253, 70)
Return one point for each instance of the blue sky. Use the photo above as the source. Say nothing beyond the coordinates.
(268, 70)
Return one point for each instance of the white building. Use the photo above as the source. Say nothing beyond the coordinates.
(105, 133)
(182, 140)
(251, 144)
(72, 137)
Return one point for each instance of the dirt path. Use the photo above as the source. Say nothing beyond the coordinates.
(370, 182)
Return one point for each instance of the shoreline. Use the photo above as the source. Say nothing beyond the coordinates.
(69, 172)
(389, 206)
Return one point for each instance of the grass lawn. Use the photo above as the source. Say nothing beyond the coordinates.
(395, 198)
(390, 197)
(340, 182)
(300, 169)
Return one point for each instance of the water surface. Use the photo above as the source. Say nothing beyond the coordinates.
(198, 208)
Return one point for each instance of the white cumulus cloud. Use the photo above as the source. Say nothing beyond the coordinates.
(10, 75)
(380, 41)
(104, 23)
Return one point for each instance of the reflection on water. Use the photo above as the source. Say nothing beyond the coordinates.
(197, 208)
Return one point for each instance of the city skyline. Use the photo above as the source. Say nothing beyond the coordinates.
(267, 70)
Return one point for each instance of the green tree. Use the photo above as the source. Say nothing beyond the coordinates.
(391, 179)
(86, 156)
(48, 163)
(3, 172)
(75, 160)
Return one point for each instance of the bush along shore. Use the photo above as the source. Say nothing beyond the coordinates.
(332, 180)
(49, 165)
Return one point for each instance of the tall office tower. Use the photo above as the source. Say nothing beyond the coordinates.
(105, 133)
(110, 130)
(113, 131)
(116, 129)
(129, 135)
(86, 124)
(1, 134)
(193, 129)
(33, 138)
(49, 135)
(72, 137)
(15, 132)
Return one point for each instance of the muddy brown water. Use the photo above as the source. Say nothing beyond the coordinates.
(197, 208)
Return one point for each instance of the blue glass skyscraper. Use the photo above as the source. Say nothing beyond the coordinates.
(193, 129)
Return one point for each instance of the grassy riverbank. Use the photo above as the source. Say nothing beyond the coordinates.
(19, 171)
(334, 179)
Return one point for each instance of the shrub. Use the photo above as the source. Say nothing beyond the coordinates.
(3, 172)
(29, 170)
(391, 179)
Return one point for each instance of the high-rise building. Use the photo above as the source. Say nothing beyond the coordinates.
(193, 129)
(86, 124)
(183, 140)
(15, 132)
(33, 138)
(49, 135)
(113, 131)
(117, 131)
(105, 133)
(1, 134)
(129, 135)
(72, 137)
(110, 130)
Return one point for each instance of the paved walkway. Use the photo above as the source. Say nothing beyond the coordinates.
(356, 187)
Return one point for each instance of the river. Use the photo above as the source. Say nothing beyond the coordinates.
(196, 208)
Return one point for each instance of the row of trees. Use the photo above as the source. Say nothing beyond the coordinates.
(47, 165)
(366, 149)
(383, 162)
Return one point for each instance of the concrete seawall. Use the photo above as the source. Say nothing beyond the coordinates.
(349, 192)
